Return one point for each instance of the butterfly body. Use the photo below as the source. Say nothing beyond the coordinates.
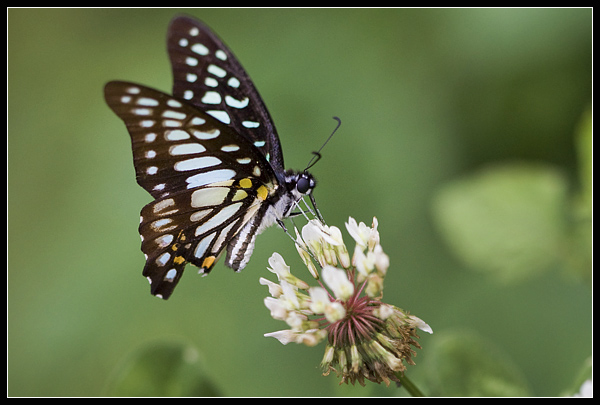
(209, 155)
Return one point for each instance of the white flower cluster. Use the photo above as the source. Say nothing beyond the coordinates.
(325, 244)
(367, 339)
(294, 302)
(305, 309)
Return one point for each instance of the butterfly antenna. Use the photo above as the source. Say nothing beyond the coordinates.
(317, 154)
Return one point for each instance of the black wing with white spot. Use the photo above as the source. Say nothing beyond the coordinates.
(208, 181)
(209, 155)
(208, 75)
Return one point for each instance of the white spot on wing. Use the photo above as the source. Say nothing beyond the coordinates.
(171, 123)
(164, 240)
(176, 135)
(232, 102)
(162, 205)
(203, 246)
(198, 215)
(224, 215)
(147, 102)
(230, 148)
(173, 114)
(163, 259)
(186, 149)
(220, 115)
(206, 134)
(211, 82)
(196, 163)
(198, 121)
(211, 97)
(221, 55)
(141, 111)
(158, 224)
(217, 71)
(170, 276)
(203, 179)
(209, 196)
(199, 49)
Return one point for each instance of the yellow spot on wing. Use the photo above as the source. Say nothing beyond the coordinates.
(208, 262)
(245, 183)
(178, 260)
(262, 193)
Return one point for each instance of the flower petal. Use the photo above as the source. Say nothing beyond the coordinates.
(359, 232)
(419, 323)
(278, 265)
(319, 299)
(284, 336)
(337, 280)
(277, 310)
(274, 288)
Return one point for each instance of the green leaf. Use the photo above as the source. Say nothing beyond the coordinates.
(162, 369)
(506, 220)
(464, 364)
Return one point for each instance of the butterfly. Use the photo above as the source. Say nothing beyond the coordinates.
(209, 155)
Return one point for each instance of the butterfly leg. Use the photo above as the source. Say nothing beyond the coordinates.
(282, 225)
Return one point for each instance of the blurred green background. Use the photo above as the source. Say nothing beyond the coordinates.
(425, 96)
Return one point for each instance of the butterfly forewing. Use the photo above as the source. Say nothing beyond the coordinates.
(208, 181)
(208, 75)
(175, 146)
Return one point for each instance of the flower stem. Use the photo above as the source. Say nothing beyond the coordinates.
(408, 385)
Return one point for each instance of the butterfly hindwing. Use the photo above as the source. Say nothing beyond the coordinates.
(191, 226)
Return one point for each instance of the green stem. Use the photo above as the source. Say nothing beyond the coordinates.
(408, 385)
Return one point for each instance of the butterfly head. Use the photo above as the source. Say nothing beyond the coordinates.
(300, 183)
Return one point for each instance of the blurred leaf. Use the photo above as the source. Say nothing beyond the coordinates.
(506, 220)
(464, 364)
(584, 143)
(163, 369)
(585, 374)
(579, 253)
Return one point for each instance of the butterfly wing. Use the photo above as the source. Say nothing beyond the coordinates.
(208, 181)
(209, 76)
